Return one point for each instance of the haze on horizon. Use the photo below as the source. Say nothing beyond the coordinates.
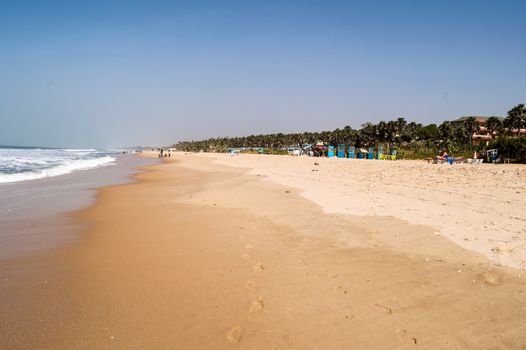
(118, 73)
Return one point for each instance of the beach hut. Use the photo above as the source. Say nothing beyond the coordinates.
(362, 153)
(370, 153)
(341, 151)
(330, 153)
(319, 150)
(492, 155)
(233, 151)
(351, 152)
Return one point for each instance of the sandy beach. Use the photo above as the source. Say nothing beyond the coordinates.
(479, 207)
(211, 251)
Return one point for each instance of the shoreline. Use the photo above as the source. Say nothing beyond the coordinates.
(206, 256)
(35, 215)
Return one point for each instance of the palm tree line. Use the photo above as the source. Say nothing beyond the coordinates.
(397, 133)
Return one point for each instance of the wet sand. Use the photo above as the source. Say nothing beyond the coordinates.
(201, 256)
(32, 212)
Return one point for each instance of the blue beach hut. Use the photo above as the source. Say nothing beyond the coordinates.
(341, 151)
(330, 152)
(351, 152)
(362, 153)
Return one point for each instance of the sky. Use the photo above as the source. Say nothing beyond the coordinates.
(122, 73)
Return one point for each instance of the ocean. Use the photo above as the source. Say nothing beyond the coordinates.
(40, 186)
(30, 163)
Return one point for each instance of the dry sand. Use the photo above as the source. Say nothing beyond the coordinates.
(201, 256)
(479, 207)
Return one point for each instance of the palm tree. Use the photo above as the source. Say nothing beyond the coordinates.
(493, 124)
(446, 132)
(516, 118)
(400, 126)
(472, 127)
(410, 132)
(348, 135)
(391, 132)
(462, 134)
(382, 132)
(367, 134)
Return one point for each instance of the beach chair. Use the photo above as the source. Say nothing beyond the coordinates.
(439, 160)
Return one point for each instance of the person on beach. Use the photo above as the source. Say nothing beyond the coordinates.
(441, 157)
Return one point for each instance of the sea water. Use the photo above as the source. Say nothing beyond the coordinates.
(29, 163)
(39, 186)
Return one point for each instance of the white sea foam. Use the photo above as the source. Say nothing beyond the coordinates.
(79, 150)
(29, 164)
(65, 168)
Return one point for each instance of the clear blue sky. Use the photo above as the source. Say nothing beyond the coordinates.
(111, 73)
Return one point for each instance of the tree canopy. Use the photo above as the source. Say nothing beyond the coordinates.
(396, 133)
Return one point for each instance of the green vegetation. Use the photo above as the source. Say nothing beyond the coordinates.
(514, 149)
(412, 140)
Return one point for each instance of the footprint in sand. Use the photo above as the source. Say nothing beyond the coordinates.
(256, 305)
(234, 335)
(250, 285)
(258, 267)
(249, 246)
(406, 338)
(386, 309)
(245, 256)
